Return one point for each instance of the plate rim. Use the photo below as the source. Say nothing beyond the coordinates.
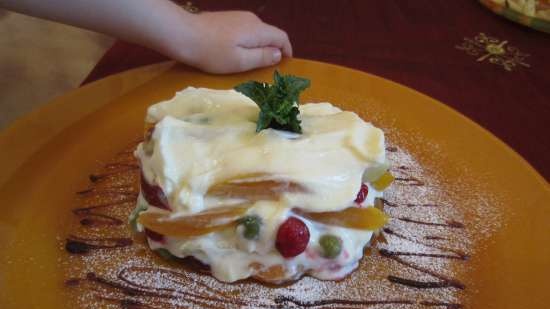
(20, 150)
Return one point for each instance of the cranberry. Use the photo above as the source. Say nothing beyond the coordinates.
(153, 194)
(362, 195)
(292, 237)
(154, 235)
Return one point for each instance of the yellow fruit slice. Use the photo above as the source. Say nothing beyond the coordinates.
(383, 182)
(368, 218)
(374, 172)
(193, 225)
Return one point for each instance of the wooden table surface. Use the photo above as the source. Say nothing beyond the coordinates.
(490, 69)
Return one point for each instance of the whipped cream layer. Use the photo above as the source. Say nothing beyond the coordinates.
(204, 137)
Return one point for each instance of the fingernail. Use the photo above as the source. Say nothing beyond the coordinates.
(277, 56)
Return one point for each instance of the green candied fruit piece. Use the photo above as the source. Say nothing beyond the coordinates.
(132, 219)
(331, 246)
(251, 226)
(165, 254)
(149, 147)
(383, 182)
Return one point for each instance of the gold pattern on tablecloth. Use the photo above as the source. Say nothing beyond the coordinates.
(494, 51)
(189, 7)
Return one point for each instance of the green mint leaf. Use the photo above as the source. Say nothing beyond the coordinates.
(264, 120)
(256, 91)
(278, 102)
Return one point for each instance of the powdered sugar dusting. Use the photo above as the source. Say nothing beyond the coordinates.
(423, 262)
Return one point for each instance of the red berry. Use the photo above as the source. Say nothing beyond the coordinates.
(292, 237)
(362, 195)
(153, 194)
(154, 235)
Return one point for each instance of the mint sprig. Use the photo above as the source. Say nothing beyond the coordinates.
(278, 102)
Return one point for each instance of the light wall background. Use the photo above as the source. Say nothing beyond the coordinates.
(40, 60)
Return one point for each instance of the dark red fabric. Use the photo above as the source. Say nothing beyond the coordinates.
(413, 43)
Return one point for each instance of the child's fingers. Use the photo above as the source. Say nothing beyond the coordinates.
(287, 49)
(279, 38)
(251, 58)
(268, 35)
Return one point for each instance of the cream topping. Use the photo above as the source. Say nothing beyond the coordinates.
(204, 137)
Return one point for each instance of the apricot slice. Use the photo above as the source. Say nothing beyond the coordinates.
(193, 225)
(368, 218)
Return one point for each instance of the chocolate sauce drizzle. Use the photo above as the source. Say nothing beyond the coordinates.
(107, 192)
(409, 181)
(80, 245)
(435, 237)
(385, 252)
(460, 254)
(133, 294)
(95, 178)
(443, 282)
(448, 223)
(393, 204)
(132, 290)
(403, 178)
(93, 219)
(89, 217)
(121, 164)
(342, 303)
(285, 300)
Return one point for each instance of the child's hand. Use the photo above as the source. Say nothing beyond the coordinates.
(216, 42)
(231, 41)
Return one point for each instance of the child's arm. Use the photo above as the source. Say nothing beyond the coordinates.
(217, 42)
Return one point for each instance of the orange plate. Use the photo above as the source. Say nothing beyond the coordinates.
(47, 155)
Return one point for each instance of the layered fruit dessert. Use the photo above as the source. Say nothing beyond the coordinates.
(253, 184)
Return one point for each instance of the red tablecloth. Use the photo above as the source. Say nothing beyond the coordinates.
(415, 43)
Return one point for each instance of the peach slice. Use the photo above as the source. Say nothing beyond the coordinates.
(193, 225)
(275, 273)
(254, 188)
(369, 218)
